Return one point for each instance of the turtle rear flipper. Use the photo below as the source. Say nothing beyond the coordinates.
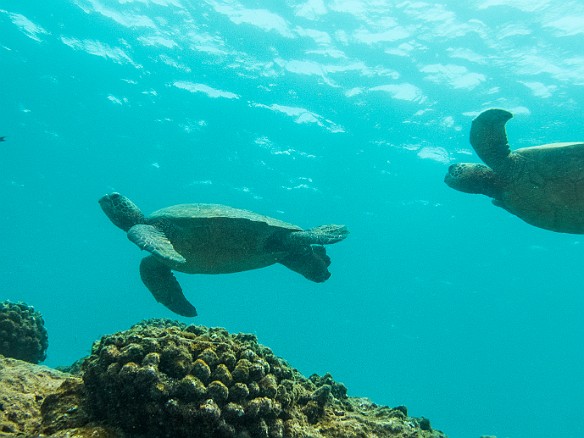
(160, 280)
(489, 139)
(322, 235)
(154, 241)
(312, 263)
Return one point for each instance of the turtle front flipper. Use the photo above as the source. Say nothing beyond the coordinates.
(312, 263)
(154, 241)
(160, 280)
(489, 139)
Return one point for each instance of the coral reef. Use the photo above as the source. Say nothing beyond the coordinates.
(165, 379)
(22, 332)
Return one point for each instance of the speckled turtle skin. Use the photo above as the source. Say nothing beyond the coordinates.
(543, 185)
(216, 239)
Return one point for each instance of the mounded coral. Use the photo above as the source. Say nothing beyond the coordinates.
(193, 381)
(163, 379)
(22, 333)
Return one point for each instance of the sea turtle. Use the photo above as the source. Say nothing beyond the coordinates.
(216, 239)
(543, 185)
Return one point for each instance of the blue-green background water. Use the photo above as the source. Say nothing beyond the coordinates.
(312, 112)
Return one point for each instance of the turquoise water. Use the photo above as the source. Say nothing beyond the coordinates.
(312, 112)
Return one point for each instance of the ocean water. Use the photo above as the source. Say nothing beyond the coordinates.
(312, 112)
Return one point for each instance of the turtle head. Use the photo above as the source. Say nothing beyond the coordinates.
(121, 211)
(474, 178)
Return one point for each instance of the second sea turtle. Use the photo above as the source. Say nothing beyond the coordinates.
(543, 185)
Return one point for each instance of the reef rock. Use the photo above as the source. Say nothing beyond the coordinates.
(23, 388)
(39, 401)
(166, 379)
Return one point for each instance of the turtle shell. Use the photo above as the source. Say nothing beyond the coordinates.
(216, 239)
(546, 186)
(211, 212)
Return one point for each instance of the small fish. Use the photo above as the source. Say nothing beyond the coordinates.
(2, 138)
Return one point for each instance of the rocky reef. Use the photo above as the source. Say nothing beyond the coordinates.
(22, 332)
(165, 379)
(23, 388)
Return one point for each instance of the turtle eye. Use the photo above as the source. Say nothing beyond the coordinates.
(115, 198)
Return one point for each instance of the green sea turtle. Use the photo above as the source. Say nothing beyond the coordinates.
(543, 185)
(216, 239)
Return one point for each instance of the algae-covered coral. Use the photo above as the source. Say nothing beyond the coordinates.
(22, 332)
(164, 380)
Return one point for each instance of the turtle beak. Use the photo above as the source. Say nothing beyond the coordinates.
(451, 174)
(103, 201)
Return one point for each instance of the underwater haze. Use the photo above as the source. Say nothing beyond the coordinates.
(312, 112)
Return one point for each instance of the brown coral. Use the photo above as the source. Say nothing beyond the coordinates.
(22, 333)
(176, 381)
(160, 380)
